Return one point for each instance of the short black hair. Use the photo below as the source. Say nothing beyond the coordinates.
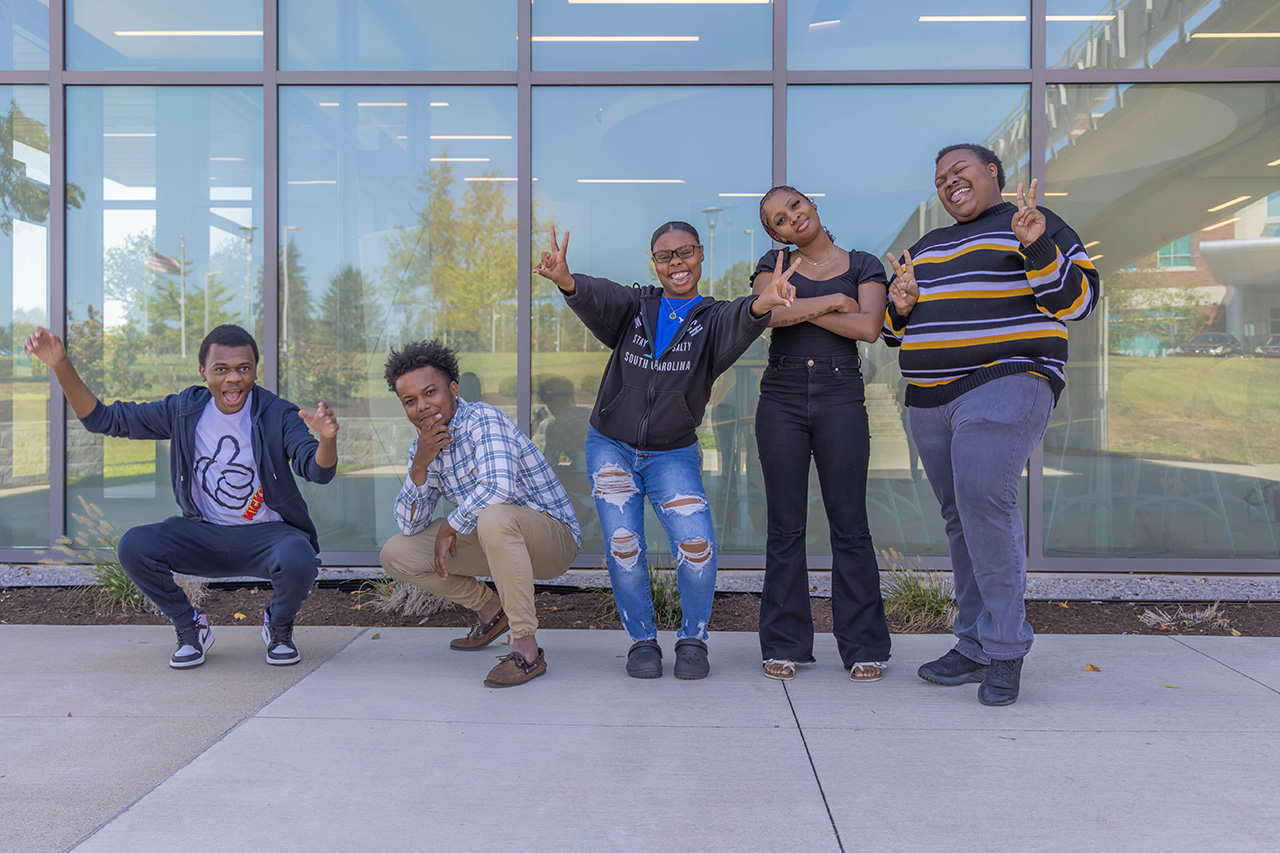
(555, 386)
(417, 354)
(228, 335)
(983, 153)
(673, 225)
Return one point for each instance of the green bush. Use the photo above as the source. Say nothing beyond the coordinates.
(916, 601)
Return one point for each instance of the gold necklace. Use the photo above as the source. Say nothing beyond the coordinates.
(815, 263)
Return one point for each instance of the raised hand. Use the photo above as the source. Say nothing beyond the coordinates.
(779, 292)
(1028, 222)
(323, 421)
(433, 436)
(903, 290)
(46, 346)
(555, 264)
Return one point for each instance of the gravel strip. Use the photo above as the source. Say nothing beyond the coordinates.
(1040, 587)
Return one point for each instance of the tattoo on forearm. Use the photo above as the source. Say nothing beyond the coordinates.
(793, 320)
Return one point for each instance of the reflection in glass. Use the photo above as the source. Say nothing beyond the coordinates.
(24, 37)
(607, 171)
(398, 223)
(862, 34)
(1162, 34)
(163, 248)
(164, 35)
(1154, 452)
(604, 35)
(403, 35)
(24, 283)
(879, 198)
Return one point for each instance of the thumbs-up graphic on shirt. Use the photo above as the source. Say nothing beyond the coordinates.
(222, 478)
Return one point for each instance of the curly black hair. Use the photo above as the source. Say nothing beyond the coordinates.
(418, 354)
(985, 155)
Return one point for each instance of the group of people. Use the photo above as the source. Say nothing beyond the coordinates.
(978, 310)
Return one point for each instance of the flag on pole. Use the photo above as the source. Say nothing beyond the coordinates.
(163, 264)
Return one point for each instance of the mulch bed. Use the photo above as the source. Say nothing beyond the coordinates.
(350, 605)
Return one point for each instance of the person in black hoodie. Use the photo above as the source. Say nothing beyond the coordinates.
(669, 345)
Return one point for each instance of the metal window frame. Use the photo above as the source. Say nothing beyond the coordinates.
(1037, 76)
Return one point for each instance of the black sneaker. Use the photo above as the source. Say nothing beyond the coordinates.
(1000, 687)
(644, 659)
(193, 639)
(951, 669)
(279, 639)
(691, 659)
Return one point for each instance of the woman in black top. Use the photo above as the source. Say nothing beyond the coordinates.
(812, 406)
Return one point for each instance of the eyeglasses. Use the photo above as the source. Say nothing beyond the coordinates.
(685, 252)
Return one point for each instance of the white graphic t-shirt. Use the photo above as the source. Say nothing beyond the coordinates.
(226, 485)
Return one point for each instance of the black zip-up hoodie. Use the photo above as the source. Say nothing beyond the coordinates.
(650, 403)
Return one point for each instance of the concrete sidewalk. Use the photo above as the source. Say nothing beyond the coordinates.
(384, 740)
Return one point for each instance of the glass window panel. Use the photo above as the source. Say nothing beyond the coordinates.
(371, 35)
(607, 171)
(605, 35)
(24, 38)
(1150, 454)
(397, 214)
(880, 198)
(163, 248)
(866, 34)
(24, 286)
(164, 35)
(1162, 34)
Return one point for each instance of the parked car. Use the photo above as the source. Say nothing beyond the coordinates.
(1210, 343)
(1269, 349)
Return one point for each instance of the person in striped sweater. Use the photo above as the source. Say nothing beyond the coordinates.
(979, 310)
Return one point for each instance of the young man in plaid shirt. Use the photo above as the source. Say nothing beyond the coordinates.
(512, 522)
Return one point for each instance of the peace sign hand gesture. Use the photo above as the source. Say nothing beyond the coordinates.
(555, 265)
(780, 292)
(903, 291)
(1028, 222)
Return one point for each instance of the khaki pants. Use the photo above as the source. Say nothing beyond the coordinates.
(511, 544)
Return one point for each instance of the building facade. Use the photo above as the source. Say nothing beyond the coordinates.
(341, 176)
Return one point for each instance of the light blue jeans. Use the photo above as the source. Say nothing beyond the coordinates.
(621, 477)
(974, 450)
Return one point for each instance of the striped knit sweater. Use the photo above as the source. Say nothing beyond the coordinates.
(990, 307)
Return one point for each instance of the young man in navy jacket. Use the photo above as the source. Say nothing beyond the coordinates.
(232, 445)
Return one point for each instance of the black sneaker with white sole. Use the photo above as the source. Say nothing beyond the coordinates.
(194, 639)
(279, 639)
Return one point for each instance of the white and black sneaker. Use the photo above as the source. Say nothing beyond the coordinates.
(194, 639)
(279, 639)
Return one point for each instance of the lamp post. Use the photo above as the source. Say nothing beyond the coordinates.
(182, 292)
(284, 295)
(248, 275)
(751, 232)
(711, 228)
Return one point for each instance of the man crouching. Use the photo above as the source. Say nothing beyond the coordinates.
(512, 522)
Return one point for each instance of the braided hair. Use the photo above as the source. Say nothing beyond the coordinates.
(765, 225)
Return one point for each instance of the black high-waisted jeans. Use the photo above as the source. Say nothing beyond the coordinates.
(815, 408)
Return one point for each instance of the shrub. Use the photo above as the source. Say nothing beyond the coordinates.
(392, 596)
(916, 600)
(95, 546)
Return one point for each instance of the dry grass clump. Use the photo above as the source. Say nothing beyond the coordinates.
(916, 600)
(1186, 616)
(393, 596)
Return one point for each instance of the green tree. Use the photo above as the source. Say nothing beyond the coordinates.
(1146, 303)
(19, 195)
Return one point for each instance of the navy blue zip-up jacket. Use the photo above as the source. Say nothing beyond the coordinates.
(655, 401)
(280, 440)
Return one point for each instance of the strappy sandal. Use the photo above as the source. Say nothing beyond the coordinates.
(780, 669)
(868, 670)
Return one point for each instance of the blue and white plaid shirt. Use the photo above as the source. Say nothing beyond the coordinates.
(487, 462)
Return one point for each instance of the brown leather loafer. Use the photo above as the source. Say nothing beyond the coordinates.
(513, 669)
(482, 633)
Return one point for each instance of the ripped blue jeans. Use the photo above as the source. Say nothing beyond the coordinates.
(621, 477)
